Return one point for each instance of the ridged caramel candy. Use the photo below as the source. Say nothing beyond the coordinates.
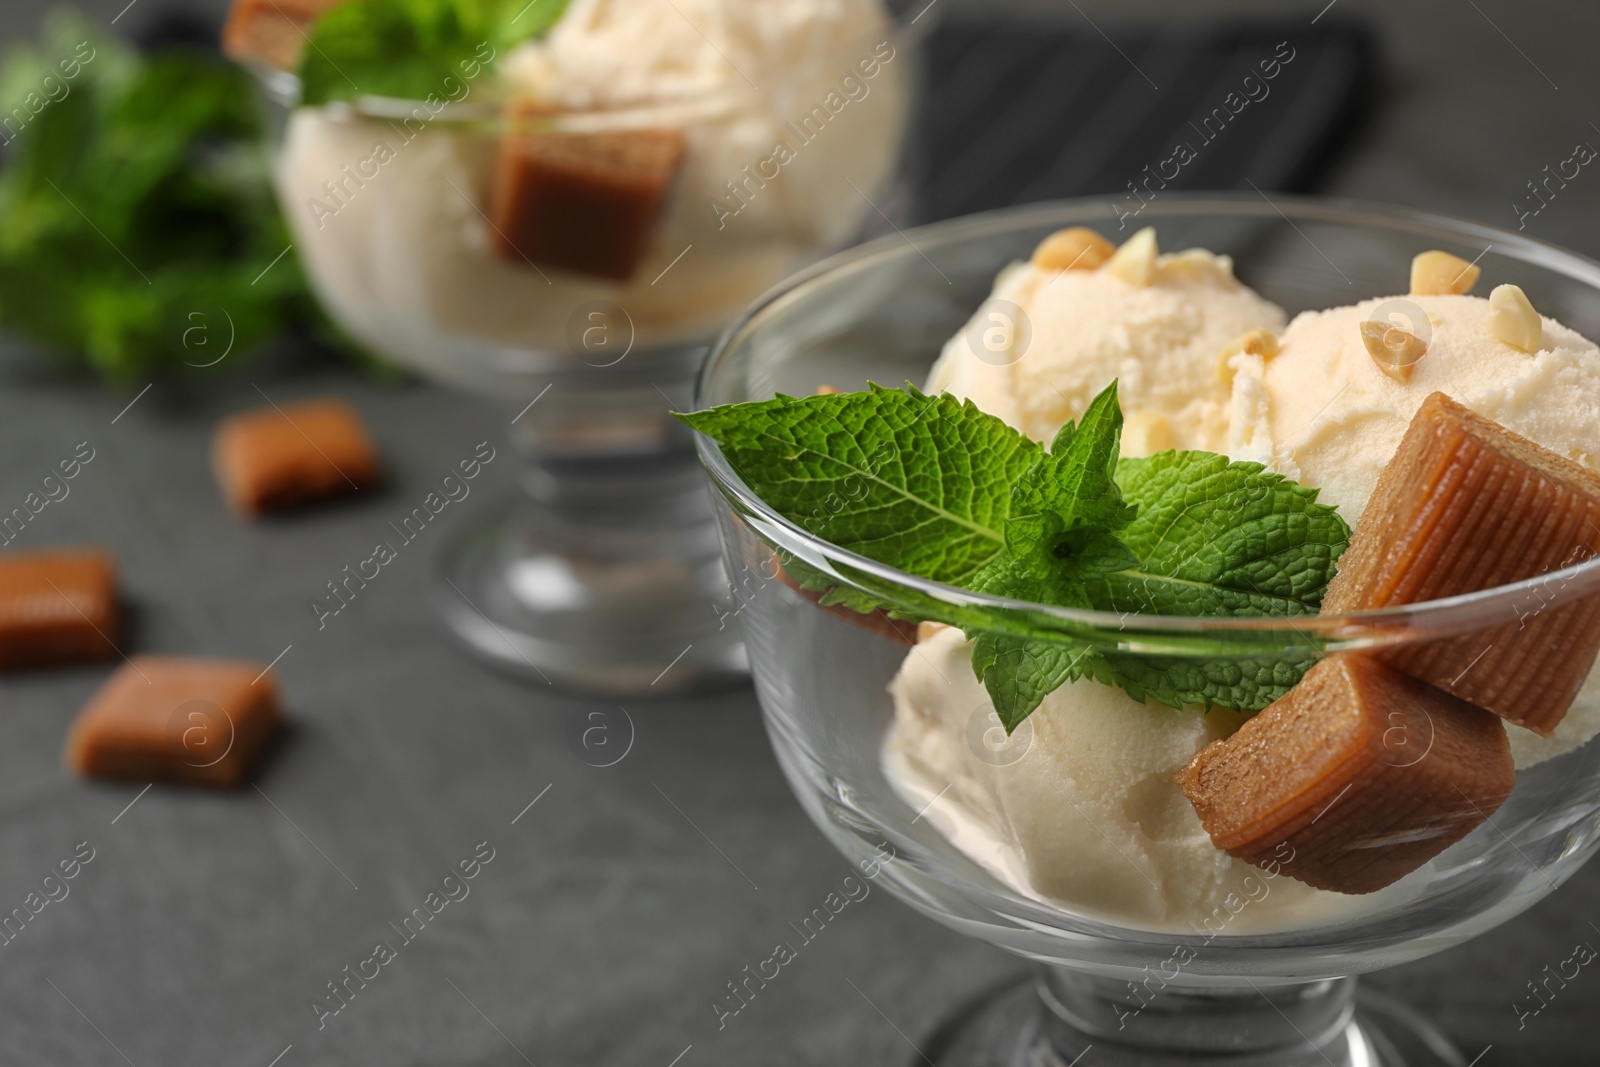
(1467, 505)
(57, 606)
(1356, 778)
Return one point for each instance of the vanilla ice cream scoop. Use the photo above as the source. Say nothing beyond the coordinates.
(1049, 339)
(1324, 412)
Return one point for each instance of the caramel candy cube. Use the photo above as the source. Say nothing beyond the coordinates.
(271, 32)
(56, 606)
(279, 457)
(199, 721)
(1354, 779)
(586, 203)
(1467, 505)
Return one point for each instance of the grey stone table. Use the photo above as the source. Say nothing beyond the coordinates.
(206, 927)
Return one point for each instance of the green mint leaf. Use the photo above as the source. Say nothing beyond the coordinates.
(1076, 480)
(1043, 564)
(919, 483)
(1219, 538)
(1048, 565)
(1018, 673)
(1066, 507)
(1239, 684)
(414, 49)
(137, 216)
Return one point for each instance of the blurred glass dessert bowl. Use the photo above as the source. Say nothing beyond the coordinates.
(561, 219)
(1069, 843)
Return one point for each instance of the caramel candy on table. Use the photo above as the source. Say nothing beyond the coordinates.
(271, 32)
(57, 606)
(587, 203)
(199, 721)
(1357, 777)
(279, 457)
(1467, 505)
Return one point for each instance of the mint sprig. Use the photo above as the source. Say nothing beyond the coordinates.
(414, 49)
(941, 490)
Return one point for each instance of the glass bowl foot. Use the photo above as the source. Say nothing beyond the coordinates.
(1055, 1021)
(620, 596)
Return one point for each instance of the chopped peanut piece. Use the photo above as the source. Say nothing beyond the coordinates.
(1394, 350)
(1251, 343)
(1438, 273)
(1075, 248)
(828, 390)
(1197, 265)
(1515, 322)
(1135, 261)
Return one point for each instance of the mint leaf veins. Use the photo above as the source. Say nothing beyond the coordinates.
(923, 484)
(944, 491)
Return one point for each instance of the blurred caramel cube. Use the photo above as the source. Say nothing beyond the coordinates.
(1467, 505)
(56, 606)
(586, 203)
(1354, 779)
(198, 721)
(281, 457)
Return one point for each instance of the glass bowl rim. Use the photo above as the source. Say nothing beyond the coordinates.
(1451, 614)
(283, 87)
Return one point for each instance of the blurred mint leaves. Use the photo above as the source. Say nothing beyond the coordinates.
(943, 491)
(136, 195)
(414, 49)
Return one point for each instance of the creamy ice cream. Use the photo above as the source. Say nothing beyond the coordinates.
(1323, 413)
(1078, 329)
(784, 104)
(1080, 807)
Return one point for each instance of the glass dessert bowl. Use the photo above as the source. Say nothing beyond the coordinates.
(562, 225)
(1154, 947)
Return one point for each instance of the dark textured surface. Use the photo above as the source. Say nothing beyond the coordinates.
(206, 925)
(1018, 110)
